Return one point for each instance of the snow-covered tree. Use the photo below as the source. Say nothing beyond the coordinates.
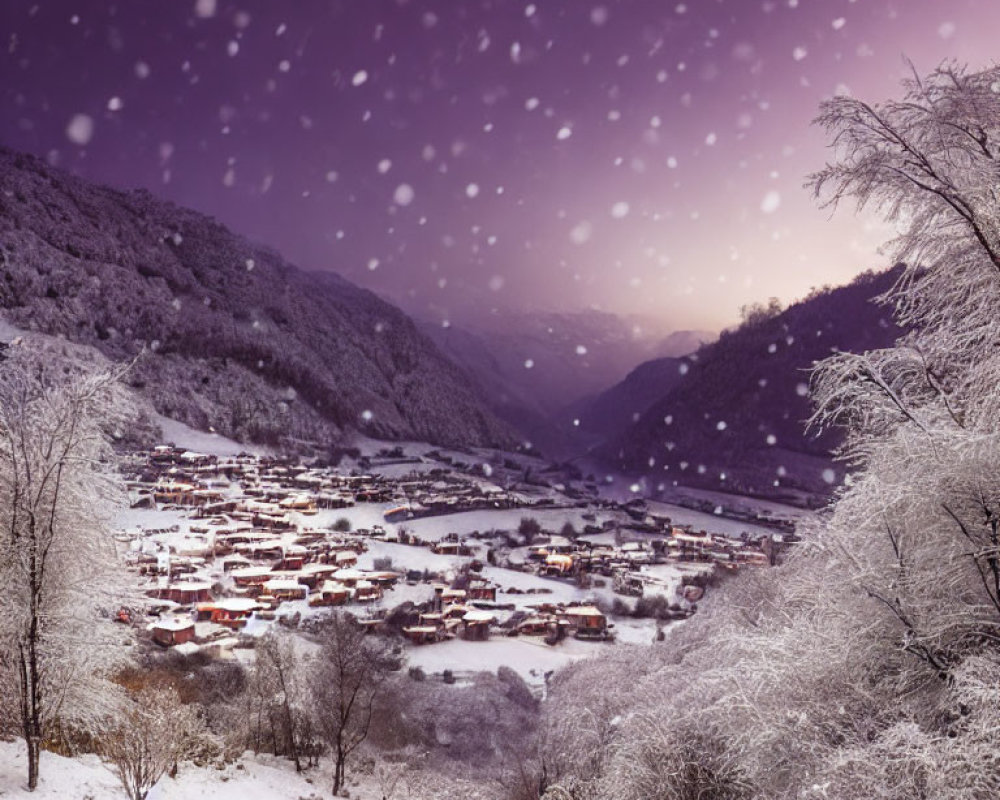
(348, 675)
(58, 565)
(151, 733)
(929, 164)
(278, 699)
(867, 665)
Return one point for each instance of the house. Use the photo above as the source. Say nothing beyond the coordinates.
(557, 564)
(453, 596)
(424, 634)
(586, 622)
(538, 625)
(285, 589)
(315, 574)
(184, 593)
(449, 548)
(302, 503)
(251, 577)
(170, 631)
(480, 589)
(230, 612)
(366, 591)
(477, 625)
(330, 593)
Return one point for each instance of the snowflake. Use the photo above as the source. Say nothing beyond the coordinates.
(619, 210)
(771, 202)
(403, 195)
(80, 129)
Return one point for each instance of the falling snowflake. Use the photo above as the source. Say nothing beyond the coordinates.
(771, 202)
(359, 78)
(599, 15)
(472, 190)
(619, 210)
(204, 8)
(581, 233)
(564, 133)
(403, 195)
(80, 129)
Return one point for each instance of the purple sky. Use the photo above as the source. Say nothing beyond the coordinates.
(640, 156)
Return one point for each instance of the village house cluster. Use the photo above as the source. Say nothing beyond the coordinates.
(250, 544)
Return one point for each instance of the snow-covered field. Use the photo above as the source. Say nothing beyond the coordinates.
(185, 436)
(86, 778)
(262, 777)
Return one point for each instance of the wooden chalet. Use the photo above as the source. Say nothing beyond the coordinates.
(184, 593)
(170, 631)
(330, 593)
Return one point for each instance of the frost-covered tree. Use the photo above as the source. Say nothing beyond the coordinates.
(278, 699)
(928, 163)
(151, 733)
(868, 665)
(349, 673)
(921, 418)
(58, 565)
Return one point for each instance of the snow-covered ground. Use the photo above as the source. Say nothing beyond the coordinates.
(190, 438)
(86, 778)
(262, 777)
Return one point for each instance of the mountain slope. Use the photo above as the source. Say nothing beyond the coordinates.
(735, 420)
(612, 411)
(237, 339)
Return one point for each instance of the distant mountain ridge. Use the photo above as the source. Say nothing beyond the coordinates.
(555, 358)
(237, 340)
(535, 368)
(733, 415)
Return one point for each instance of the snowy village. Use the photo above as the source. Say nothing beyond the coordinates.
(494, 400)
(430, 548)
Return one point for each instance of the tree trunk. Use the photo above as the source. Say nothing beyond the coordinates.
(34, 748)
(338, 772)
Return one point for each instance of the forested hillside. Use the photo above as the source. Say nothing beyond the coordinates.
(236, 339)
(738, 408)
